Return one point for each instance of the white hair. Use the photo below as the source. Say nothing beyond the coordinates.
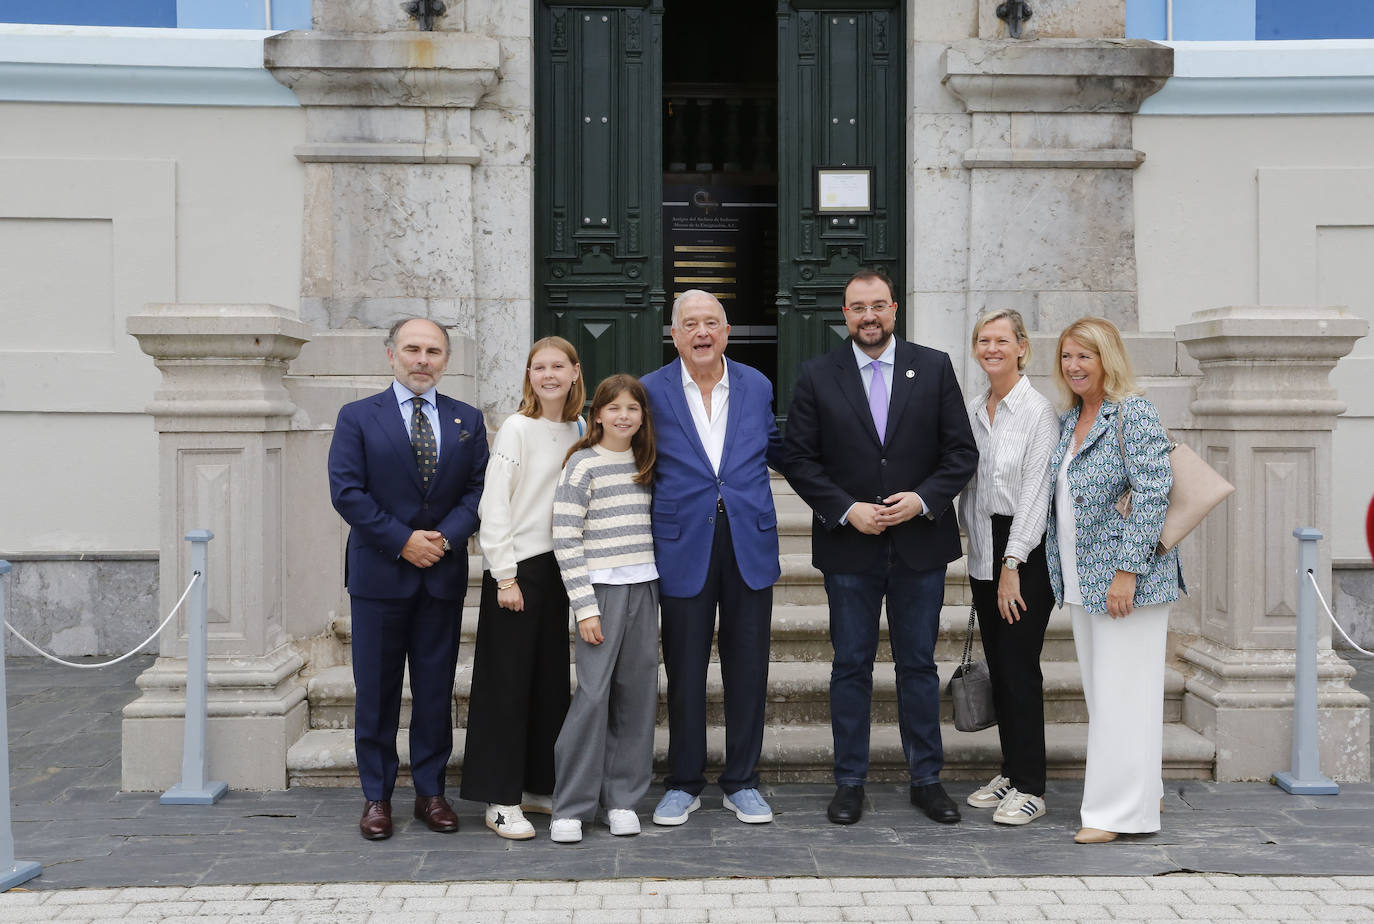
(690, 293)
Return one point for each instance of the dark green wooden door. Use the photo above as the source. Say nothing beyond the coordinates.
(598, 176)
(841, 104)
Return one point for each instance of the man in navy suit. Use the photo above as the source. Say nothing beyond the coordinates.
(716, 545)
(405, 472)
(878, 444)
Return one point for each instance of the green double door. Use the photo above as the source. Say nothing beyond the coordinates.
(688, 144)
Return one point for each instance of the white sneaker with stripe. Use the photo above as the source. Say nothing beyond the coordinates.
(1018, 808)
(991, 795)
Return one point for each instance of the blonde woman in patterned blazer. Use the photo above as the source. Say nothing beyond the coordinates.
(1104, 568)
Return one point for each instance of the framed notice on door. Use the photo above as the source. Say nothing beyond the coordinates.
(844, 189)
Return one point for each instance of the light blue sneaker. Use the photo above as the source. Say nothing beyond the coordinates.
(749, 807)
(675, 806)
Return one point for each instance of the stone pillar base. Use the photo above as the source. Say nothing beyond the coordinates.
(1242, 699)
(256, 710)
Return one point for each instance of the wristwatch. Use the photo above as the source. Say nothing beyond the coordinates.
(447, 546)
(1010, 563)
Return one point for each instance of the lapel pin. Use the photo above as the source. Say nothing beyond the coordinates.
(458, 420)
(911, 373)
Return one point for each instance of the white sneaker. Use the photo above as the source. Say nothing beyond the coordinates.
(1018, 808)
(509, 822)
(622, 821)
(565, 830)
(536, 804)
(991, 795)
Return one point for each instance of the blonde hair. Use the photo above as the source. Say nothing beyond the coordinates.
(1099, 336)
(577, 394)
(1018, 327)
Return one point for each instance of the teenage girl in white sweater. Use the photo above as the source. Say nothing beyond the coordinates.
(520, 668)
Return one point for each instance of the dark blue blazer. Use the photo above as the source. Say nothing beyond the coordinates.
(685, 487)
(834, 457)
(375, 485)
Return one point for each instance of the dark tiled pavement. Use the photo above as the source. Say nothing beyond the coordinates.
(70, 816)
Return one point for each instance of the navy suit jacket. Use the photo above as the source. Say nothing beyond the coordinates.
(685, 486)
(375, 485)
(833, 456)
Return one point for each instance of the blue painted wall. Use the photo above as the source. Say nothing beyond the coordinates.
(165, 14)
(242, 14)
(161, 13)
(1314, 19)
(1240, 20)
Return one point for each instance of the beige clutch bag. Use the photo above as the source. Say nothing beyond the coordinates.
(1197, 489)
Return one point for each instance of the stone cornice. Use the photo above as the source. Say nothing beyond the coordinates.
(1055, 75)
(1242, 349)
(442, 69)
(222, 365)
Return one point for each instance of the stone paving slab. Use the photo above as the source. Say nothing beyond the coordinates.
(1186, 897)
(70, 816)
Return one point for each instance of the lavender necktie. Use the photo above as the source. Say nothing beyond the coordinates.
(877, 400)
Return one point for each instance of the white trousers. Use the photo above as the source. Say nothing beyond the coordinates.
(1122, 663)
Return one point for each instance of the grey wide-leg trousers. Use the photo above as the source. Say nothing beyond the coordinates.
(605, 752)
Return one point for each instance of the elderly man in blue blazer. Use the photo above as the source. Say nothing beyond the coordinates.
(878, 444)
(716, 545)
(405, 472)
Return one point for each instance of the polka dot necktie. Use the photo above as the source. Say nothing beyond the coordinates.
(422, 441)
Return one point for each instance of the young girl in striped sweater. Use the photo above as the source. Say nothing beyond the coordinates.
(605, 551)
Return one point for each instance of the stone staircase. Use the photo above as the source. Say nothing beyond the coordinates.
(797, 742)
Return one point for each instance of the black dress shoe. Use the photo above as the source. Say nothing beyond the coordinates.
(375, 825)
(848, 805)
(936, 803)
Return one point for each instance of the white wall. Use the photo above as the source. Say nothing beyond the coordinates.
(1267, 209)
(103, 209)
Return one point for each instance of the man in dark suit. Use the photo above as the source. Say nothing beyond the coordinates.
(405, 472)
(716, 544)
(878, 444)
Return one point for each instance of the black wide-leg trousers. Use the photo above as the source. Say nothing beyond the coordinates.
(1013, 653)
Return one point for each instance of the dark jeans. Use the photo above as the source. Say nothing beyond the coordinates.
(1013, 653)
(687, 626)
(519, 687)
(914, 599)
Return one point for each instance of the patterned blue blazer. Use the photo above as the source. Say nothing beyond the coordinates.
(1107, 542)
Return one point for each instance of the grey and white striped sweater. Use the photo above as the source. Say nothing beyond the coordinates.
(600, 521)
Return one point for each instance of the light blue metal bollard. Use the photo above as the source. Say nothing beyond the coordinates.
(1306, 776)
(193, 788)
(12, 871)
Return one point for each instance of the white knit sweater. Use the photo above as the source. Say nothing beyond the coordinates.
(517, 500)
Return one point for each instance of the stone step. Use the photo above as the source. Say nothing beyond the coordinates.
(798, 694)
(325, 757)
(802, 633)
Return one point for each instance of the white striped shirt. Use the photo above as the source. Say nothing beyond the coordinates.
(1013, 476)
(600, 522)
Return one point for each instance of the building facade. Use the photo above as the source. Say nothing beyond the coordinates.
(534, 167)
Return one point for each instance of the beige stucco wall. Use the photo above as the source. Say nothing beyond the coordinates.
(1278, 210)
(102, 210)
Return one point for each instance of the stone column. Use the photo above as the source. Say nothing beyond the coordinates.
(221, 416)
(1265, 412)
(1051, 227)
(388, 166)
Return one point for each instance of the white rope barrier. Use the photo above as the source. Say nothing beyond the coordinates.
(195, 576)
(1332, 616)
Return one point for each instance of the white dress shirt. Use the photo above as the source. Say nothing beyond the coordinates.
(888, 360)
(1013, 477)
(430, 409)
(710, 427)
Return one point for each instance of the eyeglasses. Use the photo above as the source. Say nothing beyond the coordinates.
(876, 308)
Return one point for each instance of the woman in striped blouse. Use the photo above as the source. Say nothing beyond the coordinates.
(1004, 509)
